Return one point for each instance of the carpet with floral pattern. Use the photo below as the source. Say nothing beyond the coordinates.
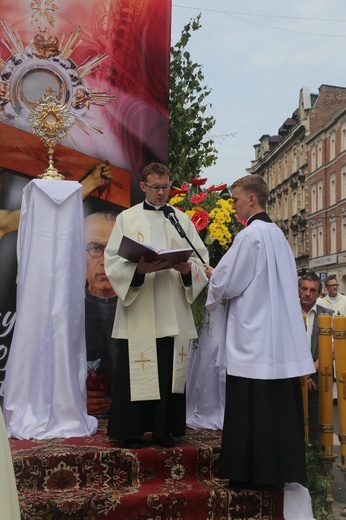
(95, 478)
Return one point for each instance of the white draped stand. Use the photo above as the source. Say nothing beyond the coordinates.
(205, 403)
(45, 383)
(206, 383)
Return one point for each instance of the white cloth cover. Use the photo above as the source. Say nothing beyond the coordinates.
(8, 491)
(297, 502)
(206, 382)
(45, 383)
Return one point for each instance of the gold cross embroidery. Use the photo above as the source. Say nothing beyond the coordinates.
(182, 355)
(343, 381)
(142, 360)
(326, 374)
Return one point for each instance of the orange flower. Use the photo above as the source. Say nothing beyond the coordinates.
(200, 219)
(197, 199)
(184, 188)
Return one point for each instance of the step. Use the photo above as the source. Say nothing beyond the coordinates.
(190, 500)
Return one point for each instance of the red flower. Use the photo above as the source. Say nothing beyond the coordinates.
(243, 222)
(184, 188)
(219, 187)
(200, 219)
(198, 182)
(197, 199)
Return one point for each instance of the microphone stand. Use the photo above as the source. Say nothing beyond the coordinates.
(171, 216)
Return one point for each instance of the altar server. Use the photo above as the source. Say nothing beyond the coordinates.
(264, 347)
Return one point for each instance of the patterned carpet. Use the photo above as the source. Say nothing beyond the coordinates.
(95, 478)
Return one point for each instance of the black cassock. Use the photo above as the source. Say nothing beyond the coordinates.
(161, 416)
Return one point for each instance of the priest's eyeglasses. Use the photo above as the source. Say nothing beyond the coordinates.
(156, 187)
(95, 249)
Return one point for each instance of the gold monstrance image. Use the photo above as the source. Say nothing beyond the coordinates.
(50, 121)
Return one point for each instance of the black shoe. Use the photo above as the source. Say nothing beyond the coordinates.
(165, 442)
(135, 443)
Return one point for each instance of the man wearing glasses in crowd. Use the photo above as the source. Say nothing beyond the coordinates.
(333, 300)
(153, 319)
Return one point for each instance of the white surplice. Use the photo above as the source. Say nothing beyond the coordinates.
(260, 341)
(45, 382)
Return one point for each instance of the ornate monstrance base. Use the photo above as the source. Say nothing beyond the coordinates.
(50, 120)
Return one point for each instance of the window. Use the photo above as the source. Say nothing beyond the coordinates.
(294, 203)
(314, 244)
(319, 155)
(343, 234)
(332, 146)
(343, 182)
(332, 189)
(343, 138)
(313, 198)
(313, 159)
(333, 238)
(320, 248)
(319, 195)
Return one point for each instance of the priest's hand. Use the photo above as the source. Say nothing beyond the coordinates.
(145, 267)
(183, 267)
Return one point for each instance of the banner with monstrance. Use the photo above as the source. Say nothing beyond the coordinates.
(108, 62)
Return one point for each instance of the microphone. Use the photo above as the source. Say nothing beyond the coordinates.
(169, 213)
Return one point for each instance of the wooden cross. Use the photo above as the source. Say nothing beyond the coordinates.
(142, 360)
(343, 381)
(182, 355)
(326, 374)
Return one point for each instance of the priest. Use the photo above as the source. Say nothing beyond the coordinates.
(153, 320)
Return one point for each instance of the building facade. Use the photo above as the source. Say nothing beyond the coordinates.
(305, 167)
(326, 149)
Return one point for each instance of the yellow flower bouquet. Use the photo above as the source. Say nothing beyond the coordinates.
(210, 210)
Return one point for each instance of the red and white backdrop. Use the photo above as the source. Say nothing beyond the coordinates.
(108, 61)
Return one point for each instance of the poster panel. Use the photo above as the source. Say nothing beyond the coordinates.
(108, 61)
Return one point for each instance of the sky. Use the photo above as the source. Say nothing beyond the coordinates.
(256, 57)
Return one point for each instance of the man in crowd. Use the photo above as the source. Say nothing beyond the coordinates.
(333, 299)
(153, 320)
(310, 288)
(100, 305)
(263, 345)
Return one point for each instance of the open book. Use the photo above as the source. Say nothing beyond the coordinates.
(133, 251)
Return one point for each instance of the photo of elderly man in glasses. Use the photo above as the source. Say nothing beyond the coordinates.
(100, 305)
